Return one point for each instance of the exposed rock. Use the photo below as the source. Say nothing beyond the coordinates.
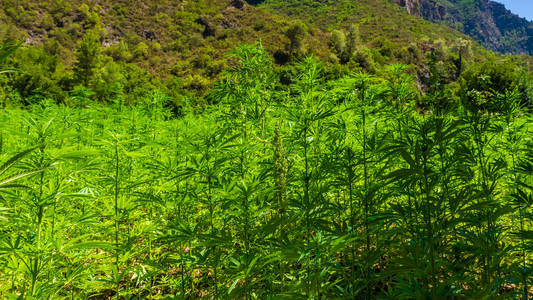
(412, 6)
(488, 22)
(429, 9)
(33, 39)
(115, 40)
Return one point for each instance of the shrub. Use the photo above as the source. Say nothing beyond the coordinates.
(141, 50)
(296, 33)
(338, 41)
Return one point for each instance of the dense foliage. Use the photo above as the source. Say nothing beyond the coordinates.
(324, 189)
(171, 43)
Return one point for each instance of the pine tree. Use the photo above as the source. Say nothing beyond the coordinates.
(352, 41)
(88, 57)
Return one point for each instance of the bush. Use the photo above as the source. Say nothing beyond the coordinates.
(296, 34)
(482, 84)
(363, 57)
(338, 41)
(141, 50)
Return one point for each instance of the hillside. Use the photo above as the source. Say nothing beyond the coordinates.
(186, 39)
(377, 19)
(270, 150)
(383, 26)
(178, 28)
(180, 47)
(488, 22)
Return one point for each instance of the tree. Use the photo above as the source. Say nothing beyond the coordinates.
(463, 48)
(5, 51)
(141, 50)
(296, 34)
(338, 41)
(352, 41)
(88, 57)
(484, 85)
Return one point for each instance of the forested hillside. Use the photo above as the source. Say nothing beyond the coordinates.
(281, 150)
(181, 44)
(179, 47)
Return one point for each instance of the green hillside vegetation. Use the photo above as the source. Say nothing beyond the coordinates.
(181, 44)
(381, 18)
(179, 47)
(317, 188)
(379, 21)
(389, 33)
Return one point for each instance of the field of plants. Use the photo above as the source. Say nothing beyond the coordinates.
(329, 189)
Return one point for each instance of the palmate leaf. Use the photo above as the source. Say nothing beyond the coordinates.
(9, 182)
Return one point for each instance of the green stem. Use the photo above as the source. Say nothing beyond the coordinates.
(117, 254)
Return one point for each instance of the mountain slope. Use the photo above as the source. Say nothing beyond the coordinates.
(488, 22)
(388, 30)
(183, 44)
(376, 18)
(187, 39)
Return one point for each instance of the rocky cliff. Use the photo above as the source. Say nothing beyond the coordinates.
(489, 22)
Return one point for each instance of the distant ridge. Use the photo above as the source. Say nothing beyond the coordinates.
(488, 22)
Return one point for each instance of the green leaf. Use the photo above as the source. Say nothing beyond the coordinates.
(408, 158)
(94, 245)
(403, 173)
(233, 285)
(10, 162)
(6, 181)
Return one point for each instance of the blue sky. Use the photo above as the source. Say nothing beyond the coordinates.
(523, 8)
